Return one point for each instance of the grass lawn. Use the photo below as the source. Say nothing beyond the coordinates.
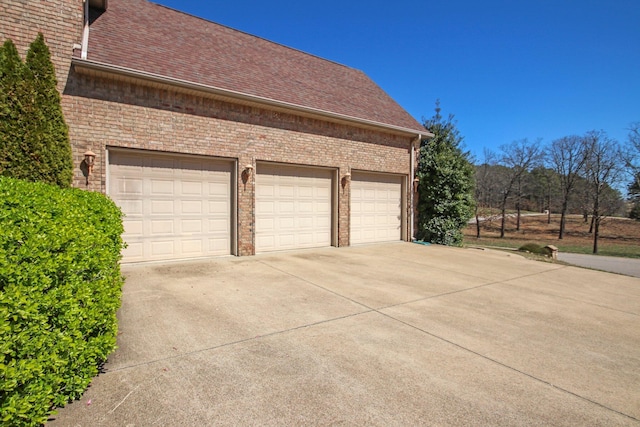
(618, 236)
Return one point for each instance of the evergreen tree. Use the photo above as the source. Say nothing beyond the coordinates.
(48, 134)
(12, 100)
(634, 197)
(34, 137)
(446, 186)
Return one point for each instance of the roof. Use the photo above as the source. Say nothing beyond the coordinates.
(153, 39)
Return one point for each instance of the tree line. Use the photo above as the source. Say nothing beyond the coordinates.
(576, 174)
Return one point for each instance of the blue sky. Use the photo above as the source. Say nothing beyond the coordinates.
(507, 69)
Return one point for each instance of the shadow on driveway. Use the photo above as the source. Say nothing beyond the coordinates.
(396, 334)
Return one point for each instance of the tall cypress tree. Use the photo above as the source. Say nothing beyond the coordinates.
(446, 188)
(46, 130)
(12, 101)
(34, 138)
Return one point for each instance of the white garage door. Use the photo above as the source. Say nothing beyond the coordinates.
(293, 207)
(175, 207)
(376, 208)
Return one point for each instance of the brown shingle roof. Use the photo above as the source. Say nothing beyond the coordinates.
(151, 38)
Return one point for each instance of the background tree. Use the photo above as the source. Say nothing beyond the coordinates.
(486, 182)
(632, 160)
(35, 136)
(446, 184)
(518, 158)
(544, 190)
(632, 152)
(604, 168)
(567, 156)
(633, 190)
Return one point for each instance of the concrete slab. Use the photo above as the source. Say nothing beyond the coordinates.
(397, 334)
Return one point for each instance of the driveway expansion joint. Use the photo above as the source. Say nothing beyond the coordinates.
(232, 343)
(511, 368)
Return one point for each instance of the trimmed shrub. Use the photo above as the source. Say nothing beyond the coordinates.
(60, 288)
(535, 249)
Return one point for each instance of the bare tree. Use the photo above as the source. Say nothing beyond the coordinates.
(545, 188)
(567, 157)
(604, 170)
(485, 185)
(518, 158)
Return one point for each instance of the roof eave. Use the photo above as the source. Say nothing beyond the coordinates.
(226, 93)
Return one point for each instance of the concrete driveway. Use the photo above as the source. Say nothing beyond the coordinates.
(398, 334)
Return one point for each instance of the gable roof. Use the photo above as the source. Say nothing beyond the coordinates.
(153, 40)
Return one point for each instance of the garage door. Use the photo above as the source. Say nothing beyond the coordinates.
(376, 208)
(175, 207)
(293, 207)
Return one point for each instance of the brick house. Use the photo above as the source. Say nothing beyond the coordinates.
(217, 142)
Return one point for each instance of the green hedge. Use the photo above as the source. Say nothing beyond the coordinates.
(60, 288)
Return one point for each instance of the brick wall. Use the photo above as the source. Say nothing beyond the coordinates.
(105, 112)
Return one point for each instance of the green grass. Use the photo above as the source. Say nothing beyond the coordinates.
(604, 248)
(619, 237)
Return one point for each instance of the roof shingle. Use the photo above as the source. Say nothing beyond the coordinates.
(143, 36)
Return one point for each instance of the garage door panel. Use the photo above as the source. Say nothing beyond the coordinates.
(305, 223)
(266, 206)
(162, 187)
(267, 225)
(162, 207)
(191, 247)
(191, 188)
(285, 207)
(285, 191)
(293, 207)
(131, 187)
(131, 207)
(286, 222)
(162, 227)
(220, 208)
(176, 207)
(265, 241)
(323, 208)
(133, 227)
(287, 240)
(134, 250)
(265, 190)
(160, 248)
(218, 189)
(191, 226)
(376, 208)
(191, 207)
(306, 207)
(219, 226)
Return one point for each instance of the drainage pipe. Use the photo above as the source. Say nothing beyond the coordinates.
(85, 31)
(411, 185)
